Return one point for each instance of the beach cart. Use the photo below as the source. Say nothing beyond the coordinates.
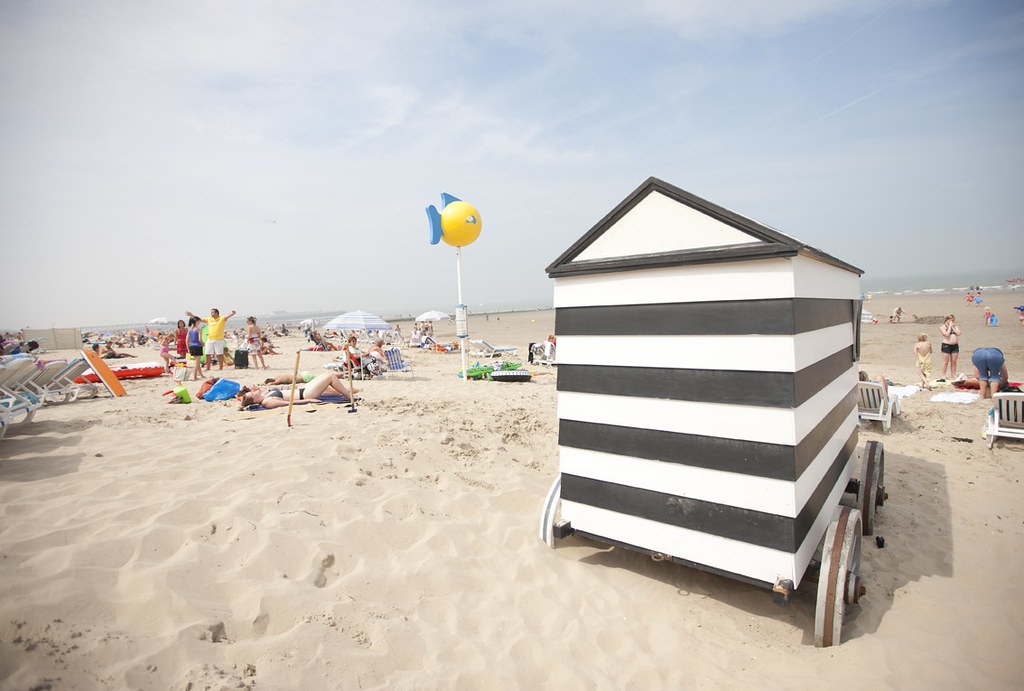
(707, 399)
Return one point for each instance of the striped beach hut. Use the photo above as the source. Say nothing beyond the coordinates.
(707, 388)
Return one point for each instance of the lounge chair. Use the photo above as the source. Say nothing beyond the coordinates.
(875, 405)
(56, 381)
(1006, 417)
(395, 361)
(481, 348)
(542, 353)
(15, 399)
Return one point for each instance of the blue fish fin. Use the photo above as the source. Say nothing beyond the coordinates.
(447, 199)
(435, 225)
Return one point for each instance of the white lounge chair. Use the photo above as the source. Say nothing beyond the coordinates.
(56, 381)
(875, 405)
(15, 399)
(395, 361)
(482, 348)
(1006, 417)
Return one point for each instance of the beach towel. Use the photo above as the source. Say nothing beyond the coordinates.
(903, 391)
(954, 397)
(324, 398)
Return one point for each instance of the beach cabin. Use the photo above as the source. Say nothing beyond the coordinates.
(707, 387)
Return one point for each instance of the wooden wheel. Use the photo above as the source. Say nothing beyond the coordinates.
(872, 484)
(839, 582)
(547, 518)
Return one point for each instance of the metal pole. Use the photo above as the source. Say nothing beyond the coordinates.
(462, 339)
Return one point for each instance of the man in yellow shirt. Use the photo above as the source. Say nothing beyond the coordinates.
(215, 333)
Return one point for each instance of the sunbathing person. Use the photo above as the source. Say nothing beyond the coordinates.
(326, 383)
(268, 348)
(109, 353)
(304, 377)
(376, 351)
(864, 376)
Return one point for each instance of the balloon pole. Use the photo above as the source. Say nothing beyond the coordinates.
(462, 306)
(458, 224)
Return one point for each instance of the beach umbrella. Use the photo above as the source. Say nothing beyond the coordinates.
(432, 316)
(358, 321)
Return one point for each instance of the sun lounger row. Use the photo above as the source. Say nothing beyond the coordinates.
(25, 386)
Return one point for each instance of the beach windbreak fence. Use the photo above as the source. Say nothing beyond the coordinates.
(55, 339)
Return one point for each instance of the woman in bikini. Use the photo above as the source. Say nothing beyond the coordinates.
(255, 338)
(326, 383)
(950, 346)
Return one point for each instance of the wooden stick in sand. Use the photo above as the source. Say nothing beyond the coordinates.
(295, 376)
(351, 391)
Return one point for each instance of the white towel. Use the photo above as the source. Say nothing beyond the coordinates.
(955, 397)
(903, 391)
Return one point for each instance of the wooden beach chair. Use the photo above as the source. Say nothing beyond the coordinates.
(873, 404)
(1006, 417)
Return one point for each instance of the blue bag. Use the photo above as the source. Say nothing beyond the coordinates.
(223, 390)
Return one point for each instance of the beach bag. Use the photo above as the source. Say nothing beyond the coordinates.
(241, 359)
(206, 386)
(223, 390)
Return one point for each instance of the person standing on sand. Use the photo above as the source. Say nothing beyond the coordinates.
(923, 353)
(950, 346)
(195, 345)
(254, 337)
(215, 334)
(181, 339)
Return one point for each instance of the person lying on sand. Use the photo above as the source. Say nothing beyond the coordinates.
(304, 377)
(109, 353)
(326, 383)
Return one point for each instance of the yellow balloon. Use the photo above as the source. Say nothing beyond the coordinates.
(460, 224)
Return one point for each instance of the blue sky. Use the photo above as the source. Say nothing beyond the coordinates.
(168, 156)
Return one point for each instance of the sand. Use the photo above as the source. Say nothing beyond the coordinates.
(154, 546)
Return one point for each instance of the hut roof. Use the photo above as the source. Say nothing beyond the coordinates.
(660, 225)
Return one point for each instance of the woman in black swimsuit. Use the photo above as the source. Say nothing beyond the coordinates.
(326, 383)
(950, 346)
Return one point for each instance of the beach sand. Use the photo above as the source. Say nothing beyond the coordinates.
(154, 546)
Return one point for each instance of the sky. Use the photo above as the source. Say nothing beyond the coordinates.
(158, 157)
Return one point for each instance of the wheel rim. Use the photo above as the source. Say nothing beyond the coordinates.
(839, 583)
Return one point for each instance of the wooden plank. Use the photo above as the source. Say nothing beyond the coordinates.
(758, 353)
(779, 316)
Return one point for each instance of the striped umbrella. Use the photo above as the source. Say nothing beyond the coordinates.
(357, 321)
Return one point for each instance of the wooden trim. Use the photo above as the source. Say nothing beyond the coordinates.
(776, 243)
(761, 389)
(679, 560)
(758, 459)
(759, 528)
(757, 353)
(776, 316)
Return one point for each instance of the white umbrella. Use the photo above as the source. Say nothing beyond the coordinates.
(358, 321)
(432, 316)
(159, 320)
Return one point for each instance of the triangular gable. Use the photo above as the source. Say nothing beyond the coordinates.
(661, 225)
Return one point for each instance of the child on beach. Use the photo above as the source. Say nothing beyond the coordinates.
(181, 339)
(195, 344)
(165, 351)
(923, 353)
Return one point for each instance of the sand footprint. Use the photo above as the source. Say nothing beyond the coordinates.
(321, 577)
